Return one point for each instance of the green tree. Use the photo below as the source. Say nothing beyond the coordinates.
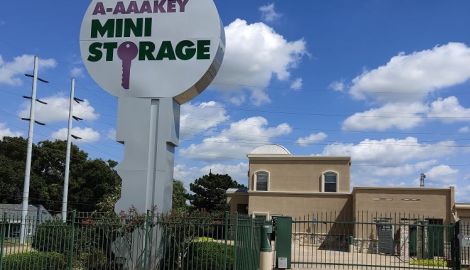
(12, 159)
(179, 197)
(92, 181)
(209, 192)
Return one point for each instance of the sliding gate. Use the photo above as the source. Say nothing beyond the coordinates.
(374, 242)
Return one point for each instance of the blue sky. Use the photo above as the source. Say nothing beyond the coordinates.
(386, 82)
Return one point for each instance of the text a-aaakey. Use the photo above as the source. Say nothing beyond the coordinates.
(145, 7)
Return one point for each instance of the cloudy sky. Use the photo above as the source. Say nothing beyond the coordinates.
(386, 82)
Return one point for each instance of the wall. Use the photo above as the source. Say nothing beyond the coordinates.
(235, 199)
(463, 212)
(432, 203)
(299, 205)
(400, 206)
(300, 175)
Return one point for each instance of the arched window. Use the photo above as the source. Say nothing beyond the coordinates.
(330, 182)
(262, 179)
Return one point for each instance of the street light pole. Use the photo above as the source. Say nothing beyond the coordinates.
(67, 158)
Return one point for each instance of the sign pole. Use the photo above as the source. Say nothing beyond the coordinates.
(129, 58)
(147, 168)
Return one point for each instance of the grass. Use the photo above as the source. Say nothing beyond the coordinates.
(429, 262)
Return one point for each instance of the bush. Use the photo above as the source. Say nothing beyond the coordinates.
(429, 262)
(209, 255)
(94, 261)
(53, 236)
(34, 261)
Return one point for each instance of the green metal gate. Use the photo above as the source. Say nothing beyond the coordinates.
(247, 243)
(374, 241)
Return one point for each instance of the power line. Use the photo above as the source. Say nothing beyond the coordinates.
(291, 142)
(53, 130)
(241, 142)
(323, 114)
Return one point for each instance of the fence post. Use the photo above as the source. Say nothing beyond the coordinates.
(2, 237)
(70, 255)
(456, 252)
(235, 243)
(266, 251)
(146, 240)
(225, 238)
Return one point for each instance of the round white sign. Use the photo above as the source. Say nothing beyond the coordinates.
(153, 48)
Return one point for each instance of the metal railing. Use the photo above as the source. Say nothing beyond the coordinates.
(465, 251)
(367, 240)
(130, 241)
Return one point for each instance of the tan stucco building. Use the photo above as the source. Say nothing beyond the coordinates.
(330, 215)
(282, 184)
(463, 211)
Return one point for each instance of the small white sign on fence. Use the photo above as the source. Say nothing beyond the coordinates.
(282, 263)
(464, 240)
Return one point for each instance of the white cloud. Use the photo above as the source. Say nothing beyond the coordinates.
(402, 170)
(238, 171)
(337, 86)
(6, 132)
(463, 192)
(449, 110)
(404, 174)
(198, 118)
(11, 72)
(186, 174)
(255, 53)
(464, 129)
(393, 115)
(442, 174)
(76, 72)
(390, 152)
(297, 84)
(87, 135)
(311, 139)
(412, 77)
(57, 109)
(236, 141)
(111, 134)
(269, 13)
(407, 115)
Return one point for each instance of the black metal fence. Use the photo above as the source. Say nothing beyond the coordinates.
(465, 251)
(375, 241)
(129, 241)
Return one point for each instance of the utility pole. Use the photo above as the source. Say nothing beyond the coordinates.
(32, 121)
(69, 149)
(421, 181)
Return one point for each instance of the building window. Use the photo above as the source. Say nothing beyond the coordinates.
(262, 179)
(330, 182)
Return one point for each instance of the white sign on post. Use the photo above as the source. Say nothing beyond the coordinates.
(464, 240)
(154, 56)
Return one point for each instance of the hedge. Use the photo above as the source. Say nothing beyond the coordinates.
(34, 261)
(209, 255)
